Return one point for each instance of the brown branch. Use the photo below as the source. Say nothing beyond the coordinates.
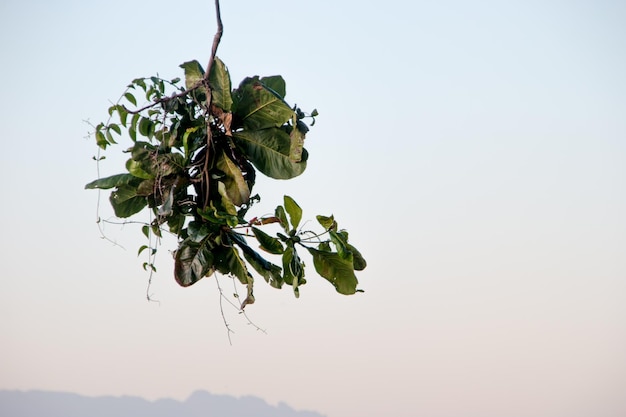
(205, 80)
(216, 39)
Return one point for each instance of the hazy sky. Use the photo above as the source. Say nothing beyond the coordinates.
(476, 152)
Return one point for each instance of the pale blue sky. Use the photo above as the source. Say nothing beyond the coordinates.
(476, 151)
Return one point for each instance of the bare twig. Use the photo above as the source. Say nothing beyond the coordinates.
(228, 329)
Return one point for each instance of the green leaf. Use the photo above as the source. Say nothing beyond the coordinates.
(137, 169)
(358, 261)
(126, 202)
(268, 243)
(193, 261)
(327, 223)
(115, 128)
(294, 210)
(293, 269)
(132, 131)
(296, 144)
(111, 182)
(140, 82)
(268, 150)
(258, 107)
(282, 216)
(276, 84)
(346, 250)
(194, 73)
(337, 270)
(219, 80)
(227, 203)
(228, 261)
(101, 140)
(131, 98)
(146, 127)
(197, 231)
(288, 275)
(340, 245)
(270, 272)
(109, 137)
(234, 182)
(324, 246)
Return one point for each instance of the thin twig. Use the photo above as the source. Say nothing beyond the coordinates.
(228, 329)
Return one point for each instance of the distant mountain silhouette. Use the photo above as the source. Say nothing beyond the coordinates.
(199, 404)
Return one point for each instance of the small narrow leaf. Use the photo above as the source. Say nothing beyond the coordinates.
(132, 131)
(282, 216)
(115, 128)
(131, 98)
(101, 140)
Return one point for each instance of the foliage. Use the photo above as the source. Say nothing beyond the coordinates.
(194, 155)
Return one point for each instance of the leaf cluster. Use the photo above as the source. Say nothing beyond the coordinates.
(194, 156)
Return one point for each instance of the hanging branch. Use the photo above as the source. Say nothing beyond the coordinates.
(194, 157)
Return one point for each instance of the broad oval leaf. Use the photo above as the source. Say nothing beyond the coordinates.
(111, 182)
(337, 270)
(193, 261)
(258, 107)
(276, 84)
(268, 150)
(126, 202)
(137, 169)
